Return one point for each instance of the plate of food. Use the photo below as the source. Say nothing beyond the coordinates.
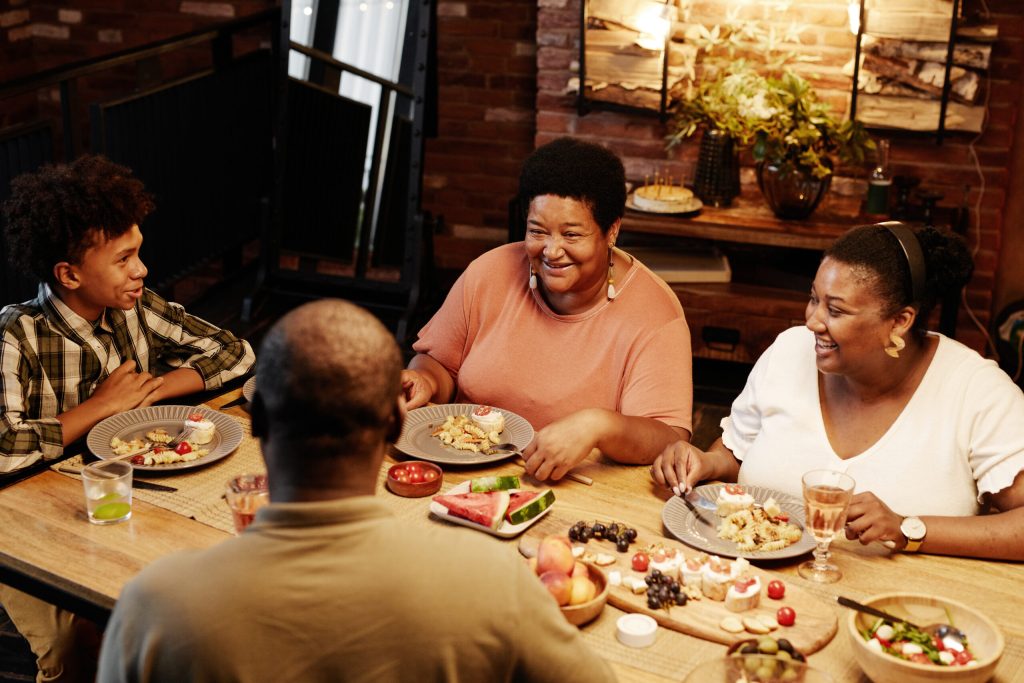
(249, 388)
(214, 435)
(494, 505)
(754, 522)
(462, 433)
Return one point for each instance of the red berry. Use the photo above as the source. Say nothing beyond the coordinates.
(785, 616)
(183, 448)
(641, 561)
(776, 589)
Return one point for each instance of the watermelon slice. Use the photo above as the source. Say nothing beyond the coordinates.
(486, 509)
(525, 505)
(484, 484)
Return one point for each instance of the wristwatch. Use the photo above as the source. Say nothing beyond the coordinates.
(914, 530)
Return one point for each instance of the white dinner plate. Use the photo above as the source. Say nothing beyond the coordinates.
(416, 439)
(133, 424)
(693, 206)
(680, 521)
(505, 530)
(249, 388)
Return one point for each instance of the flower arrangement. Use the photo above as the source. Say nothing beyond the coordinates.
(768, 106)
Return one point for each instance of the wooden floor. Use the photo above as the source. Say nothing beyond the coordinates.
(221, 305)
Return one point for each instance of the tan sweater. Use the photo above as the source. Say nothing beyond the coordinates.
(505, 347)
(343, 591)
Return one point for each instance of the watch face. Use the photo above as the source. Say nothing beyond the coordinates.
(913, 528)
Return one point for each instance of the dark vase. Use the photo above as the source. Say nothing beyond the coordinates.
(790, 190)
(717, 180)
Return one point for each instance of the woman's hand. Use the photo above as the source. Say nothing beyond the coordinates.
(417, 388)
(680, 466)
(560, 446)
(869, 520)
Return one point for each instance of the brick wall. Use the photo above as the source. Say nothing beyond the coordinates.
(947, 168)
(486, 74)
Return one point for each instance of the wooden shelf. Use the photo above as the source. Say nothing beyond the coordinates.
(737, 321)
(750, 221)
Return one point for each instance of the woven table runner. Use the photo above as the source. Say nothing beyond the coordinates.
(200, 494)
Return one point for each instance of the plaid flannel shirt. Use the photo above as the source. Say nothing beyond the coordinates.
(52, 359)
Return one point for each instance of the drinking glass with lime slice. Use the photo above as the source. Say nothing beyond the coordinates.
(108, 491)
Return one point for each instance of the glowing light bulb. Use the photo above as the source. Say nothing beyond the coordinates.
(307, 10)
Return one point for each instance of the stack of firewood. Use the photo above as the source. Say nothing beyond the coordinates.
(903, 68)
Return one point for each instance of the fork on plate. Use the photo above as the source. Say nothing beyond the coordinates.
(183, 435)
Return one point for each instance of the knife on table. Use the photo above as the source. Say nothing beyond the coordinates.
(136, 483)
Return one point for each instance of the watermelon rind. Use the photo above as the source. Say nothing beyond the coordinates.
(532, 507)
(499, 483)
(486, 509)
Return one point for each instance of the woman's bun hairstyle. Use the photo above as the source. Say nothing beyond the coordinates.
(948, 265)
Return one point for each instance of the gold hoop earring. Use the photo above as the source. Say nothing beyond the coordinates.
(533, 278)
(611, 276)
(896, 345)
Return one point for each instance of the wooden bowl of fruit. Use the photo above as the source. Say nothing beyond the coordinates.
(414, 479)
(589, 601)
(579, 588)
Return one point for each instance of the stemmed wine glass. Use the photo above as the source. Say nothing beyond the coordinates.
(827, 496)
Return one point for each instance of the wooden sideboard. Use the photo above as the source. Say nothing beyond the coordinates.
(772, 260)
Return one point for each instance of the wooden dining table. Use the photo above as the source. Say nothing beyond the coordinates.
(48, 548)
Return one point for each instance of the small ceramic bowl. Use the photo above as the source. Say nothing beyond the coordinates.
(585, 612)
(984, 639)
(750, 647)
(756, 669)
(414, 479)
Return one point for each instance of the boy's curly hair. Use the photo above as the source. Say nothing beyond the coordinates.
(56, 213)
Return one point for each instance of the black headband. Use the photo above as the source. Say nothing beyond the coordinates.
(912, 251)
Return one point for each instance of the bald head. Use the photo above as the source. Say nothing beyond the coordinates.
(329, 373)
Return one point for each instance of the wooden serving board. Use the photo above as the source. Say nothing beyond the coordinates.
(815, 621)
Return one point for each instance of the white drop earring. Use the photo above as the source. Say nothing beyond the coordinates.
(611, 276)
(533, 278)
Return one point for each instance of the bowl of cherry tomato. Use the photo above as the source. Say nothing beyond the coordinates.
(414, 479)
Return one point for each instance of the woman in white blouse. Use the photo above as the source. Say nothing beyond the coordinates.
(932, 433)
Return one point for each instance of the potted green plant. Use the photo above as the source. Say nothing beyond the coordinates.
(793, 135)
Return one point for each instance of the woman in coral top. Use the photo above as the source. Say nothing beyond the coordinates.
(564, 329)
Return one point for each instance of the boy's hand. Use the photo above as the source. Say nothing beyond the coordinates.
(125, 389)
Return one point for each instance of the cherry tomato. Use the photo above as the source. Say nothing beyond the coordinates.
(785, 616)
(776, 589)
(413, 467)
(482, 410)
(416, 476)
(402, 476)
(782, 517)
(183, 448)
(195, 417)
(429, 475)
(159, 449)
(641, 561)
(962, 657)
(734, 489)
(920, 658)
(137, 460)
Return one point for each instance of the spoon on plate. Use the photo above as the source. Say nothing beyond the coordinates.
(512, 448)
(952, 638)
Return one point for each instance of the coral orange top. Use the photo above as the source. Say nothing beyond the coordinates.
(505, 347)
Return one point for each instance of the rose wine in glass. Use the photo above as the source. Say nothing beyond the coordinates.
(827, 496)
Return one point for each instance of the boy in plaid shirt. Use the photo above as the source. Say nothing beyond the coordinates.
(94, 343)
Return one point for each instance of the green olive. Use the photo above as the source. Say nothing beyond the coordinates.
(766, 672)
(789, 675)
(767, 645)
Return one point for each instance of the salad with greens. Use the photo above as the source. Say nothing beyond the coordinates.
(945, 647)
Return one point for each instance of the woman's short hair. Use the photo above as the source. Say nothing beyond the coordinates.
(578, 170)
(875, 249)
(56, 213)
